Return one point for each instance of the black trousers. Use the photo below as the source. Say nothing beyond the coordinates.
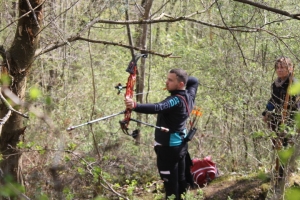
(172, 169)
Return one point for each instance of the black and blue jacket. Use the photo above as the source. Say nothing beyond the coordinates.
(276, 103)
(172, 113)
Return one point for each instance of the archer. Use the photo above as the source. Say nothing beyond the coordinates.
(280, 109)
(171, 147)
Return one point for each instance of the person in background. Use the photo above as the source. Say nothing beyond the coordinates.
(281, 107)
(172, 113)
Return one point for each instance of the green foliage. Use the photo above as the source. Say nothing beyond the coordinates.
(131, 187)
(5, 79)
(48, 100)
(172, 197)
(235, 70)
(292, 193)
(297, 119)
(40, 149)
(285, 154)
(96, 174)
(35, 93)
(71, 146)
(199, 195)
(263, 176)
(295, 89)
(81, 171)
(258, 134)
(68, 194)
(11, 189)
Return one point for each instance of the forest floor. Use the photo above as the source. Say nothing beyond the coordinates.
(233, 187)
(237, 188)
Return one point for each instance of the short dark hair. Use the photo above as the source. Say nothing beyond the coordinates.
(287, 61)
(181, 75)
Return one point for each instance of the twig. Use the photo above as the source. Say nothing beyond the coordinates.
(72, 39)
(275, 10)
(10, 108)
(111, 189)
(237, 42)
(23, 15)
(57, 17)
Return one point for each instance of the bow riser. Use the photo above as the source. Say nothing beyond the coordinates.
(132, 70)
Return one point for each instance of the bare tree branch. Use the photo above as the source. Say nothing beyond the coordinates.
(275, 10)
(160, 8)
(128, 30)
(237, 42)
(10, 108)
(170, 19)
(72, 39)
(33, 13)
(57, 16)
(23, 15)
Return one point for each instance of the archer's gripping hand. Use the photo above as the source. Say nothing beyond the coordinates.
(129, 103)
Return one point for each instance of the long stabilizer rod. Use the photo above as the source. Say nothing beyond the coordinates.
(151, 125)
(93, 121)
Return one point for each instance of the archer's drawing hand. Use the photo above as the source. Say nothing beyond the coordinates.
(129, 103)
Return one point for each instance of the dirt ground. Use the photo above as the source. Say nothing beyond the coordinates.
(248, 187)
(243, 189)
(233, 187)
(229, 187)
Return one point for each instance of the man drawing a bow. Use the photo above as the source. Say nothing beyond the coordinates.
(173, 112)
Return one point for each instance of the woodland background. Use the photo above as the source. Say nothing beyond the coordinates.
(82, 54)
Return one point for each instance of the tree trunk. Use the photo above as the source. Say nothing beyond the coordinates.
(18, 61)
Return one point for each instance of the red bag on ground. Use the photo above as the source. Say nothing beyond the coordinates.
(204, 171)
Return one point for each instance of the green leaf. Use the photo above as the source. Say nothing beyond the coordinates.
(80, 171)
(297, 120)
(21, 144)
(5, 79)
(258, 134)
(295, 89)
(71, 146)
(35, 93)
(262, 176)
(48, 100)
(285, 154)
(292, 193)
(40, 149)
